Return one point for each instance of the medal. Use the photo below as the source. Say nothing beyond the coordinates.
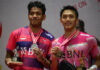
(35, 38)
(34, 46)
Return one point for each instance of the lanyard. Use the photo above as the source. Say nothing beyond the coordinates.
(34, 39)
(69, 38)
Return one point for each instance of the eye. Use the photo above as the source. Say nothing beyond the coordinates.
(71, 16)
(64, 16)
(38, 13)
(31, 13)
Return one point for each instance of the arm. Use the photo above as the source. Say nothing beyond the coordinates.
(95, 54)
(40, 58)
(54, 64)
(97, 62)
(11, 45)
(96, 65)
(44, 60)
(9, 54)
(55, 53)
(8, 60)
(8, 57)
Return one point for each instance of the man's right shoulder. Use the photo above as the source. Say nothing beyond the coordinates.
(20, 29)
(57, 40)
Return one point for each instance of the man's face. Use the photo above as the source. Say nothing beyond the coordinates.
(68, 19)
(36, 17)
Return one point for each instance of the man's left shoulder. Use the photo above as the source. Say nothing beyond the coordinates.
(90, 38)
(47, 34)
(85, 34)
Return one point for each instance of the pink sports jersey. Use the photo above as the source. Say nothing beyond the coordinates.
(21, 40)
(83, 45)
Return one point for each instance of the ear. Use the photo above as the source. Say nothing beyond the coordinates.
(60, 20)
(44, 17)
(77, 21)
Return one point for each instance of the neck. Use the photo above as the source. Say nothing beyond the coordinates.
(35, 29)
(69, 32)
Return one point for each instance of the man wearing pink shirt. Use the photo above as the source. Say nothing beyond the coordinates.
(28, 46)
(77, 46)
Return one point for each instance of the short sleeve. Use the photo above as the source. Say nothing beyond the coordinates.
(94, 51)
(11, 42)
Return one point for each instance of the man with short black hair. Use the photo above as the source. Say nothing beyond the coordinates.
(77, 46)
(31, 43)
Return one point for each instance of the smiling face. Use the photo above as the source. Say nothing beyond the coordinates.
(36, 17)
(68, 19)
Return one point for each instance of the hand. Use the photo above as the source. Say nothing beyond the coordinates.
(39, 53)
(88, 69)
(93, 67)
(12, 64)
(54, 50)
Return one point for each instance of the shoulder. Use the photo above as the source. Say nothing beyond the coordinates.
(55, 41)
(47, 35)
(58, 40)
(19, 30)
(87, 36)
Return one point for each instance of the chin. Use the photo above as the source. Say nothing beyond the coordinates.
(35, 25)
(67, 27)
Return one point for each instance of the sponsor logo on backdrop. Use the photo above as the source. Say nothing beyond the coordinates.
(80, 4)
(99, 1)
(0, 29)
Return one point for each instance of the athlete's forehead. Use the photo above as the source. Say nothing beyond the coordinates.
(68, 12)
(35, 9)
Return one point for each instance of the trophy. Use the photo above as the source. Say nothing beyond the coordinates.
(16, 60)
(82, 66)
(16, 57)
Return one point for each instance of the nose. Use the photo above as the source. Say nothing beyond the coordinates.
(34, 15)
(67, 19)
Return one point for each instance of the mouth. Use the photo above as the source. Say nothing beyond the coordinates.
(34, 19)
(68, 24)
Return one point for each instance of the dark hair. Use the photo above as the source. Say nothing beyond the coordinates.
(81, 25)
(37, 4)
(69, 7)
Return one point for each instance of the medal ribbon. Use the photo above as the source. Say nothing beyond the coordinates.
(34, 39)
(69, 38)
